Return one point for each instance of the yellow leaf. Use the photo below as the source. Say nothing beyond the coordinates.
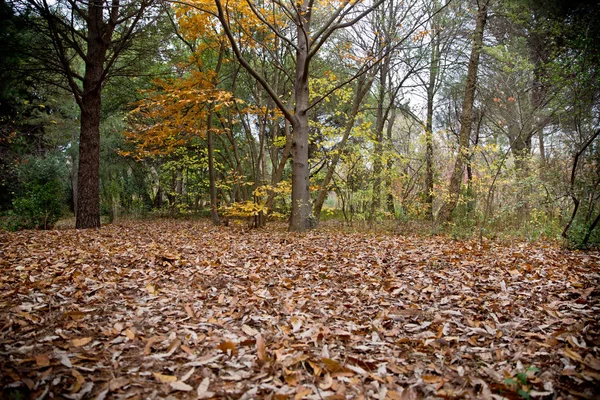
(572, 354)
(151, 289)
(164, 378)
(130, 333)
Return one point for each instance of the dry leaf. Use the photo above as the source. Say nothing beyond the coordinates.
(573, 355)
(42, 360)
(202, 391)
(260, 348)
(226, 347)
(117, 383)
(326, 382)
(184, 387)
(190, 311)
(81, 341)
(249, 330)
(301, 392)
(151, 289)
(164, 378)
(130, 333)
(592, 362)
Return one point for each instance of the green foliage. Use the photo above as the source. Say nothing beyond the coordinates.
(520, 382)
(40, 200)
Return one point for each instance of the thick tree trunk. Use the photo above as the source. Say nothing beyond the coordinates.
(466, 120)
(301, 218)
(88, 176)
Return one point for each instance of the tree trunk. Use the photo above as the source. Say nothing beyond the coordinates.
(212, 176)
(378, 150)
(88, 175)
(390, 165)
(301, 218)
(74, 169)
(466, 120)
(433, 72)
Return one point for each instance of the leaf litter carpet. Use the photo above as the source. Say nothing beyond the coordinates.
(185, 310)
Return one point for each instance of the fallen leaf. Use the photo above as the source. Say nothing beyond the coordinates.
(260, 348)
(202, 391)
(164, 378)
(117, 383)
(190, 311)
(188, 375)
(248, 330)
(573, 355)
(184, 387)
(81, 341)
(302, 391)
(42, 360)
(592, 362)
(227, 346)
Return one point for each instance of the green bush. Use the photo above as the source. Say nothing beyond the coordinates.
(40, 198)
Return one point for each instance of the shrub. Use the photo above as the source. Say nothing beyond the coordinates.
(39, 200)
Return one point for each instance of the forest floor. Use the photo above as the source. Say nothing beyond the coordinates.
(182, 309)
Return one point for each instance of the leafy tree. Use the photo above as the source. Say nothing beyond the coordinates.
(78, 45)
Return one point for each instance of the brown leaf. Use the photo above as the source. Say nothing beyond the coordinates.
(117, 383)
(130, 333)
(573, 355)
(302, 391)
(431, 378)
(227, 346)
(42, 360)
(190, 311)
(260, 349)
(326, 382)
(592, 362)
(150, 342)
(81, 341)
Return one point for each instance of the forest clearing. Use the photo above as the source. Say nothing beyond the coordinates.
(170, 309)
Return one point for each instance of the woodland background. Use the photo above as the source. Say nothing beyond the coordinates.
(468, 128)
(473, 118)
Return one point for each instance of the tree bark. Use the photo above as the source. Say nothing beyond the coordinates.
(390, 165)
(88, 176)
(212, 175)
(466, 120)
(433, 73)
(301, 218)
